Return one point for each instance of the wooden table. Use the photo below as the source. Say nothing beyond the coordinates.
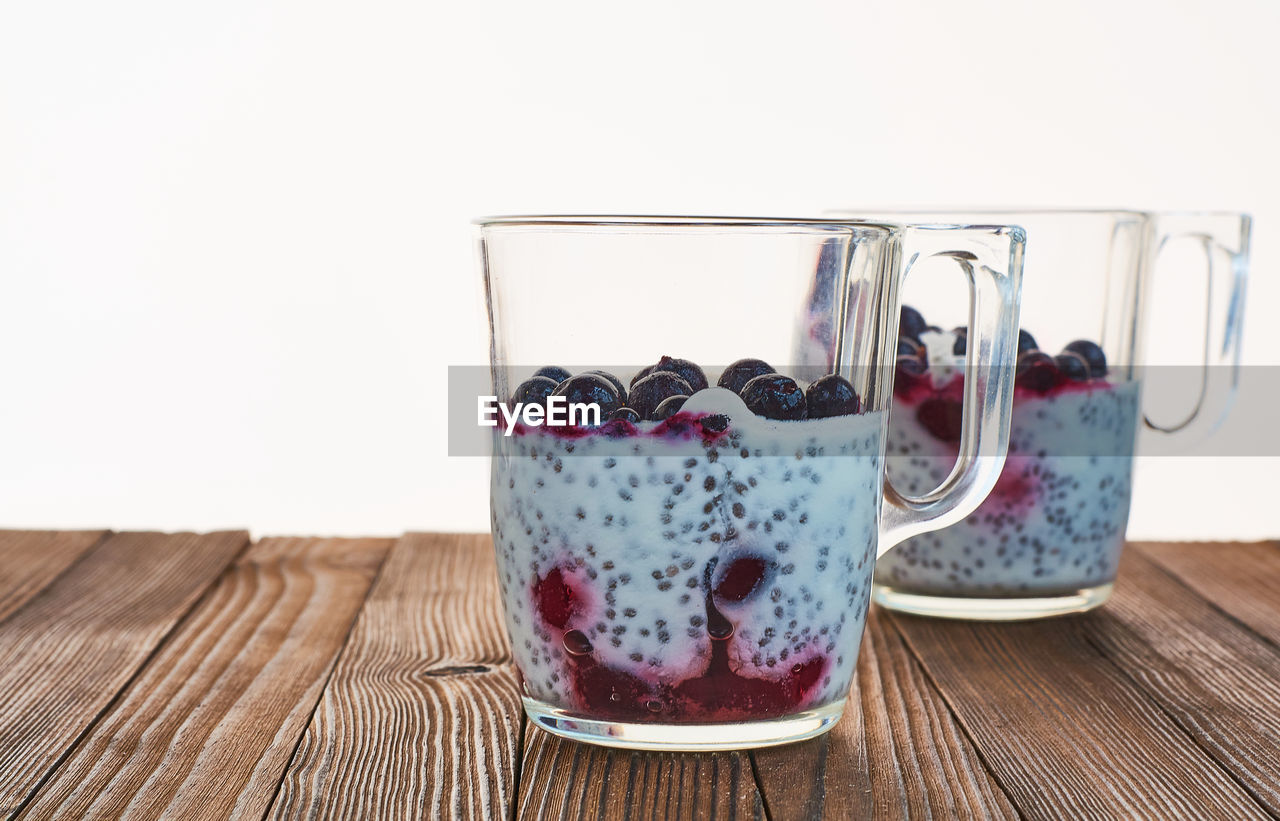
(191, 676)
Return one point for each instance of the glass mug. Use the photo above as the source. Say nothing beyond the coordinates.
(694, 572)
(1048, 539)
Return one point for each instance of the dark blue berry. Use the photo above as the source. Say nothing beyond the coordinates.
(1037, 371)
(683, 368)
(626, 414)
(911, 365)
(962, 341)
(589, 388)
(1092, 354)
(831, 395)
(1072, 366)
(669, 407)
(737, 375)
(553, 372)
(615, 381)
(715, 423)
(641, 374)
(774, 396)
(534, 391)
(1026, 343)
(909, 347)
(649, 392)
(911, 324)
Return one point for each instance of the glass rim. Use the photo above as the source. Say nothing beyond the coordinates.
(671, 221)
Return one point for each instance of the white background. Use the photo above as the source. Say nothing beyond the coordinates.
(235, 257)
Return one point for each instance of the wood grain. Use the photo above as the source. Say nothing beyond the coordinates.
(1217, 679)
(67, 653)
(208, 727)
(896, 753)
(1065, 733)
(421, 717)
(1242, 580)
(31, 559)
(565, 779)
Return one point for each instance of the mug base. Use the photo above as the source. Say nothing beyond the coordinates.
(971, 608)
(738, 735)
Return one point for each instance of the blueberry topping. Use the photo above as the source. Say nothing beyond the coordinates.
(534, 391)
(649, 392)
(589, 388)
(831, 395)
(911, 324)
(962, 341)
(1037, 371)
(626, 414)
(683, 368)
(1072, 366)
(615, 381)
(1092, 354)
(552, 372)
(715, 423)
(669, 407)
(1026, 343)
(774, 396)
(909, 347)
(641, 374)
(737, 375)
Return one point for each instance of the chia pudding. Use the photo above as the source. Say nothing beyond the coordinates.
(700, 557)
(1055, 522)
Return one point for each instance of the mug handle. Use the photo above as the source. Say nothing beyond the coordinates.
(1224, 238)
(991, 259)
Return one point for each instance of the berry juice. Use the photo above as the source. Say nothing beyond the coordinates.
(701, 559)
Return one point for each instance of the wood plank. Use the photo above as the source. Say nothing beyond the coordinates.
(421, 717)
(31, 559)
(67, 653)
(1065, 733)
(209, 726)
(896, 753)
(1217, 679)
(1240, 579)
(565, 779)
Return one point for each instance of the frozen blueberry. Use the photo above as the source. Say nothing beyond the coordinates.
(774, 396)
(962, 340)
(1092, 354)
(715, 423)
(1037, 371)
(683, 368)
(669, 407)
(641, 374)
(626, 414)
(534, 391)
(615, 381)
(552, 372)
(911, 324)
(831, 395)
(649, 392)
(1026, 343)
(737, 375)
(587, 387)
(1072, 366)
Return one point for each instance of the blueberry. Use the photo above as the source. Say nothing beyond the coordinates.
(552, 372)
(911, 324)
(669, 407)
(909, 347)
(683, 368)
(1092, 354)
(1037, 371)
(774, 396)
(962, 340)
(641, 374)
(587, 387)
(831, 395)
(1026, 343)
(737, 375)
(615, 381)
(649, 392)
(1072, 366)
(534, 391)
(933, 329)
(626, 414)
(715, 423)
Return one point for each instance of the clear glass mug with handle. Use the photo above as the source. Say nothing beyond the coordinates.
(1048, 539)
(691, 567)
